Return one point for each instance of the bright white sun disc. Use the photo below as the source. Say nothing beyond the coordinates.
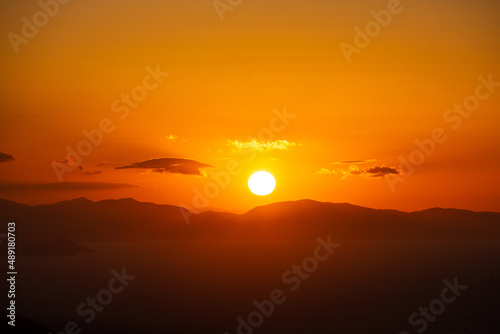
(261, 183)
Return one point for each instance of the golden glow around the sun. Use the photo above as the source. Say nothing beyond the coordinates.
(261, 183)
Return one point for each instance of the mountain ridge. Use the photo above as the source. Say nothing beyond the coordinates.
(83, 220)
(132, 200)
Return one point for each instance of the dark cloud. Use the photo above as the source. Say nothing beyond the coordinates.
(380, 171)
(64, 186)
(374, 171)
(4, 157)
(170, 165)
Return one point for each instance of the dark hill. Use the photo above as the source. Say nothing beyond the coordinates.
(126, 219)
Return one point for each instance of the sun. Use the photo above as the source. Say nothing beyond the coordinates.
(261, 183)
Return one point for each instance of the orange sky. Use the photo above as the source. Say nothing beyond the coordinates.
(228, 79)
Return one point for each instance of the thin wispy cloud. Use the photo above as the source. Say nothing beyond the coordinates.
(93, 173)
(64, 186)
(71, 165)
(352, 162)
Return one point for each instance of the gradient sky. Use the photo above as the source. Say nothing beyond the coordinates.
(227, 79)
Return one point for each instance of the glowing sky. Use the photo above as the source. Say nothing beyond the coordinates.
(219, 111)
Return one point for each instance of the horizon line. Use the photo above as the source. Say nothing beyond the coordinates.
(240, 213)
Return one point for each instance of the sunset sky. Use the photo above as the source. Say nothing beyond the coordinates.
(266, 88)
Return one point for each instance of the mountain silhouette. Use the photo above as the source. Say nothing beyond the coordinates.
(82, 220)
